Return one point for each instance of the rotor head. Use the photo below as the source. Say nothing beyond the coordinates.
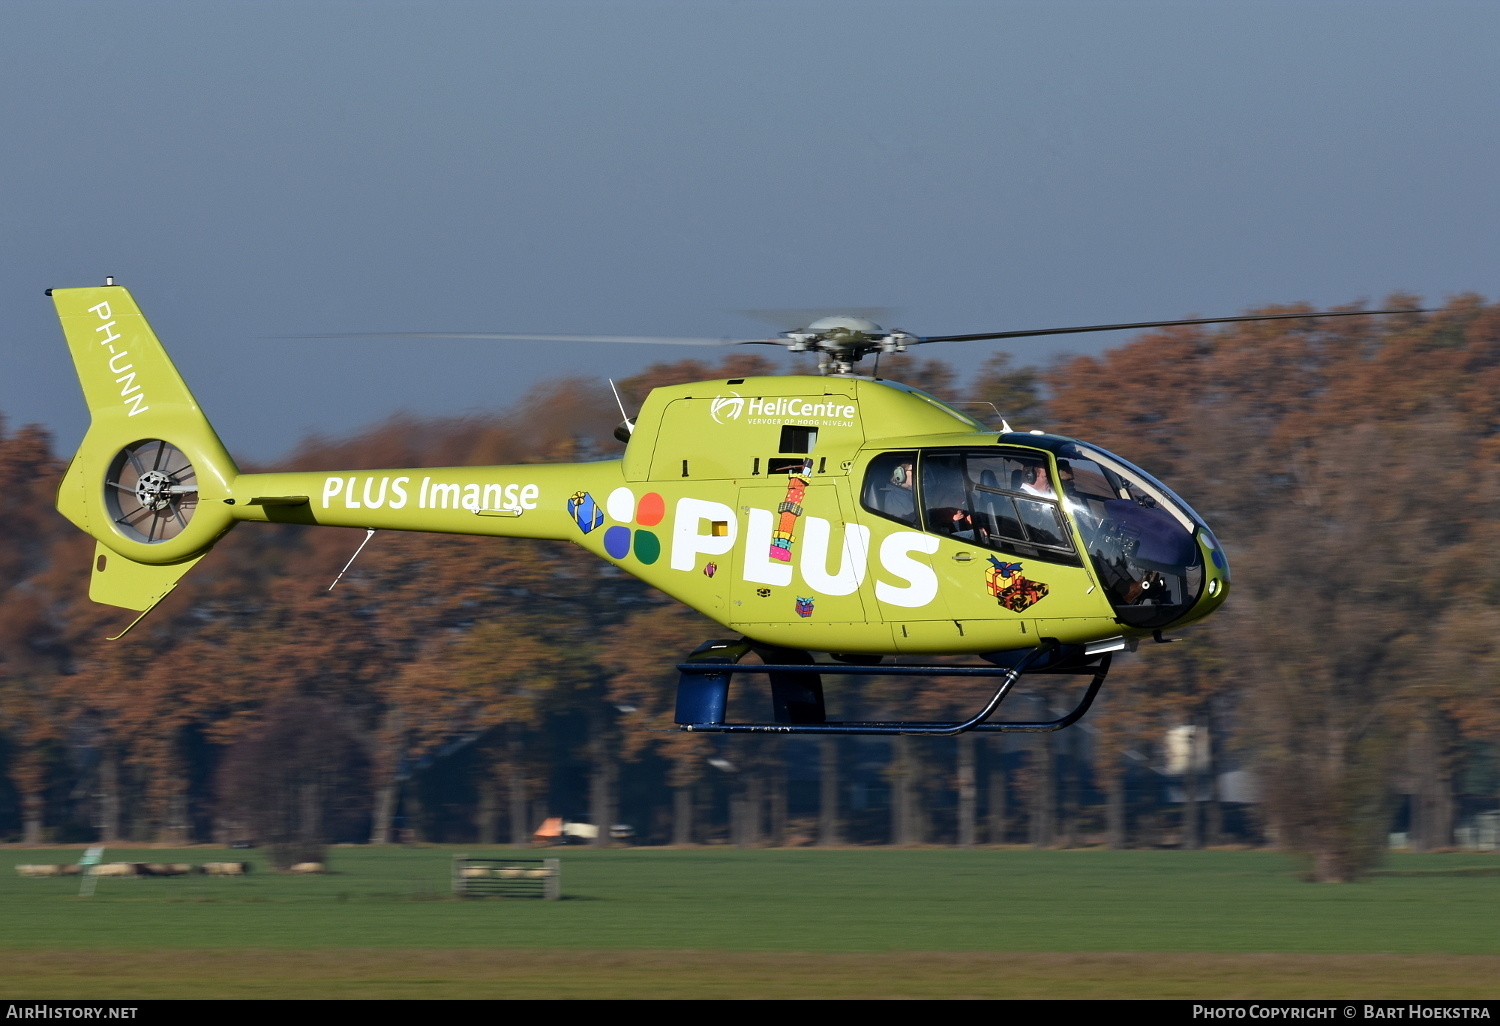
(830, 325)
(841, 341)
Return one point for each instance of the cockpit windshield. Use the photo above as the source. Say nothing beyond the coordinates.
(1139, 536)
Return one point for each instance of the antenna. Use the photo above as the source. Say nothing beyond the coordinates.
(369, 533)
(618, 401)
(982, 402)
(627, 426)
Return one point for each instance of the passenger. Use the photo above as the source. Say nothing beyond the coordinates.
(899, 500)
(956, 522)
(946, 497)
(1034, 482)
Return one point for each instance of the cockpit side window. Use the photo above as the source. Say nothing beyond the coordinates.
(890, 488)
(1004, 501)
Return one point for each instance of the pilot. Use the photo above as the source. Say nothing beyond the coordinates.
(1084, 515)
(1065, 479)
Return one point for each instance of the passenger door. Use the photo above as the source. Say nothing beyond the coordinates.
(801, 559)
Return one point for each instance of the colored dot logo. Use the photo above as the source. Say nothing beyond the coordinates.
(620, 541)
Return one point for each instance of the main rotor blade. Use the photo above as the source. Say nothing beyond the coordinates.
(651, 340)
(1155, 324)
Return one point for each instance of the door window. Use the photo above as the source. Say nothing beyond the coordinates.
(890, 488)
(1003, 501)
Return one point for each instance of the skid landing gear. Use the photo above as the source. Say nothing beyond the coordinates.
(797, 691)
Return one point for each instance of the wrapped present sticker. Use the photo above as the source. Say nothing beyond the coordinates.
(1010, 588)
(804, 607)
(585, 511)
(788, 510)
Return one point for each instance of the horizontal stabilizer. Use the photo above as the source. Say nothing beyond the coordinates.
(118, 581)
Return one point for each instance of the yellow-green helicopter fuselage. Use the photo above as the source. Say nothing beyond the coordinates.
(824, 514)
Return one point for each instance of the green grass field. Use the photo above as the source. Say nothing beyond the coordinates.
(778, 922)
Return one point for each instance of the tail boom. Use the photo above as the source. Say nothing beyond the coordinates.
(524, 501)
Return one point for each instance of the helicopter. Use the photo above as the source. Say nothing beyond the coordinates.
(836, 523)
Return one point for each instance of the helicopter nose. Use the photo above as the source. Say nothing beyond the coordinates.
(1216, 571)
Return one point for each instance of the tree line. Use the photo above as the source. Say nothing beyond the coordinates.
(464, 689)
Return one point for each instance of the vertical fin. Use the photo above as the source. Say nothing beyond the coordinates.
(121, 364)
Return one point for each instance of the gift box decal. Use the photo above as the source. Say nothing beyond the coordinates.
(804, 607)
(585, 511)
(1010, 588)
(788, 511)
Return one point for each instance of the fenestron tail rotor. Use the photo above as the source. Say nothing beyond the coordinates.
(151, 491)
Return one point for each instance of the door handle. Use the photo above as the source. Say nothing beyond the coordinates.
(963, 557)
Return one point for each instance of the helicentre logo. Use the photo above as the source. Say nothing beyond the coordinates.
(727, 407)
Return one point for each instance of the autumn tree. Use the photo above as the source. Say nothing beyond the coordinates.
(291, 776)
(1346, 465)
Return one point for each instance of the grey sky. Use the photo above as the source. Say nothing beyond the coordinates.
(254, 170)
